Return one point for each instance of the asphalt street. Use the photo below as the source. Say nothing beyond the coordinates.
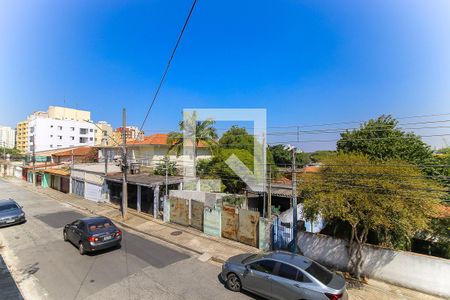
(46, 267)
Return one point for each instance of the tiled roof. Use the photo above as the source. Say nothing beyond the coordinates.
(81, 151)
(60, 172)
(156, 139)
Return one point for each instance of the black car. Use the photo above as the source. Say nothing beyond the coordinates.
(91, 234)
(10, 213)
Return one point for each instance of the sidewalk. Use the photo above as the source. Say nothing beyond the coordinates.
(215, 249)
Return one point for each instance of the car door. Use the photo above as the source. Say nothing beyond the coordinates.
(257, 277)
(290, 283)
(71, 231)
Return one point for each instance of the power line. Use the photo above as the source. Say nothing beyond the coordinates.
(168, 64)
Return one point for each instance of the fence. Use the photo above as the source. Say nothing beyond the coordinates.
(282, 235)
(420, 272)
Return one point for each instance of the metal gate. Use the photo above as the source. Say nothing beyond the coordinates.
(179, 211)
(65, 185)
(93, 192)
(248, 227)
(282, 235)
(78, 187)
(240, 225)
(197, 214)
(230, 219)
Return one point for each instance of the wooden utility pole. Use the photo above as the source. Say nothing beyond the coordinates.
(294, 200)
(269, 202)
(124, 166)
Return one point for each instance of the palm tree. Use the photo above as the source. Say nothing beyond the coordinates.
(202, 132)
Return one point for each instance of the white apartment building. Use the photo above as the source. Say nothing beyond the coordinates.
(50, 133)
(7, 137)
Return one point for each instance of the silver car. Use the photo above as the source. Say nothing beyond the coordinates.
(10, 213)
(282, 275)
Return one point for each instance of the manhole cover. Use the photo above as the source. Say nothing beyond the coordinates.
(176, 232)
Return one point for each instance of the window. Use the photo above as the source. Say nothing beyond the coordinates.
(95, 130)
(105, 133)
(83, 140)
(265, 266)
(91, 139)
(80, 225)
(72, 138)
(83, 130)
(72, 128)
(319, 272)
(51, 146)
(51, 126)
(60, 137)
(59, 127)
(58, 146)
(91, 130)
(51, 135)
(288, 272)
(31, 129)
(302, 277)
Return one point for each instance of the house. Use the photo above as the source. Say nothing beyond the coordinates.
(76, 155)
(151, 150)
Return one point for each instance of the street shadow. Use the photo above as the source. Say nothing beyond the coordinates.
(247, 293)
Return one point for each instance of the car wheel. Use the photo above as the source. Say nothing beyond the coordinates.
(233, 282)
(81, 249)
(65, 236)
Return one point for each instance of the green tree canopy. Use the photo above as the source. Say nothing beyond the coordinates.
(389, 195)
(283, 156)
(217, 168)
(382, 139)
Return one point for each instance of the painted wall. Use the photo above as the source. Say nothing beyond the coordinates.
(416, 271)
(45, 180)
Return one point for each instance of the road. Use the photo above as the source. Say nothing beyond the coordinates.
(46, 267)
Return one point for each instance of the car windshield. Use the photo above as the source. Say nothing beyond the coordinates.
(99, 226)
(8, 207)
(319, 272)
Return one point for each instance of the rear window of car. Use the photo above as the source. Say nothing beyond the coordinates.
(319, 272)
(252, 257)
(99, 226)
(8, 207)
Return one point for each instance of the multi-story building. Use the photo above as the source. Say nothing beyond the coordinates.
(7, 137)
(65, 113)
(47, 134)
(103, 134)
(131, 132)
(59, 127)
(22, 136)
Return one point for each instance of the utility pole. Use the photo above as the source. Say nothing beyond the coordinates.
(269, 202)
(34, 159)
(105, 155)
(124, 166)
(294, 201)
(4, 150)
(167, 177)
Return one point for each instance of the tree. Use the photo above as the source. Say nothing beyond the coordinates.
(217, 168)
(382, 139)
(198, 133)
(282, 156)
(390, 195)
(168, 165)
(237, 138)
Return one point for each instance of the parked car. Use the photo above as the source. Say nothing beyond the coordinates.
(91, 234)
(11, 213)
(284, 276)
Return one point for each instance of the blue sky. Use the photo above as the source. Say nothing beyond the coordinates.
(306, 62)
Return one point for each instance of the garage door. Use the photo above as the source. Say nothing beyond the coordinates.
(78, 187)
(93, 192)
